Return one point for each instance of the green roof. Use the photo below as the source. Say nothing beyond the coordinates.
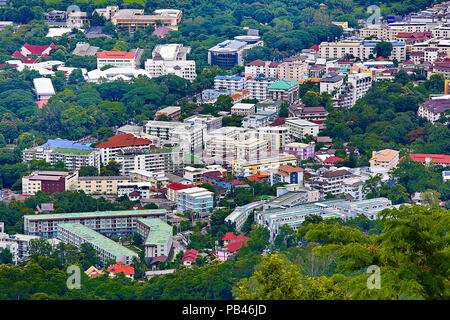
(95, 214)
(160, 231)
(284, 84)
(71, 151)
(96, 239)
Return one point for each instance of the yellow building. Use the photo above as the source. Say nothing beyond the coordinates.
(386, 158)
(100, 184)
(249, 167)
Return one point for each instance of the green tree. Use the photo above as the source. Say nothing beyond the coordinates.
(383, 49)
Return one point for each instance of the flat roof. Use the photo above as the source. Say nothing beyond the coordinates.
(97, 239)
(43, 86)
(160, 231)
(102, 214)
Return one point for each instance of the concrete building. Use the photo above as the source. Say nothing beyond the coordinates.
(44, 88)
(303, 151)
(172, 112)
(211, 123)
(71, 153)
(329, 182)
(230, 83)
(359, 49)
(276, 136)
(76, 234)
(195, 199)
(157, 237)
(293, 69)
(243, 109)
(286, 174)
(49, 181)
(135, 190)
(285, 90)
(18, 244)
(250, 166)
(161, 129)
(240, 214)
(331, 82)
(101, 184)
(109, 223)
(386, 158)
(133, 19)
(299, 129)
(257, 68)
(433, 108)
(229, 53)
(173, 188)
(118, 59)
(257, 87)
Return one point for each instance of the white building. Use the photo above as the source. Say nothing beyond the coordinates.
(196, 199)
(299, 129)
(230, 83)
(44, 88)
(135, 190)
(118, 59)
(258, 87)
(243, 109)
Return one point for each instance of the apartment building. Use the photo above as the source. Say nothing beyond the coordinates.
(230, 83)
(157, 237)
(189, 138)
(77, 19)
(49, 181)
(257, 120)
(390, 32)
(173, 188)
(154, 160)
(258, 67)
(240, 214)
(135, 190)
(101, 184)
(329, 182)
(157, 179)
(243, 109)
(134, 19)
(195, 199)
(118, 59)
(76, 234)
(161, 129)
(18, 244)
(293, 69)
(109, 223)
(252, 165)
(220, 149)
(299, 129)
(303, 151)
(331, 82)
(211, 123)
(432, 109)
(109, 150)
(285, 90)
(276, 136)
(286, 174)
(257, 87)
(246, 147)
(386, 158)
(107, 12)
(171, 59)
(362, 50)
(71, 153)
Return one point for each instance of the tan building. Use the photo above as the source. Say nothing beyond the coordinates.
(49, 181)
(100, 184)
(361, 50)
(133, 19)
(386, 158)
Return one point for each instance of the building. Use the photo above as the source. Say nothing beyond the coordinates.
(109, 223)
(439, 159)
(35, 50)
(161, 129)
(257, 68)
(230, 83)
(302, 150)
(49, 181)
(101, 184)
(293, 69)
(195, 199)
(314, 114)
(285, 90)
(359, 49)
(386, 158)
(171, 112)
(256, 120)
(331, 82)
(18, 244)
(110, 149)
(329, 182)
(120, 267)
(72, 154)
(276, 136)
(299, 129)
(232, 244)
(243, 109)
(240, 214)
(433, 109)
(286, 174)
(157, 237)
(189, 257)
(170, 59)
(257, 87)
(173, 188)
(135, 190)
(133, 19)
(107, 12)
(250, 166)
(211, 123)
(153, 160)
(44, 88)
(76, 19)
(85, 49)
(229, 53)
(118, 59)
(157, 179)
(76, 234)
(12, 247)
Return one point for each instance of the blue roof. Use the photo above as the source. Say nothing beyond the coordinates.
(65, 144)
(229, 77)
(398, 44)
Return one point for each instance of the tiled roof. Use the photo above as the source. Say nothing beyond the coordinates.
(179, 186)
(123, 140)
(116, 54)
(257, 62)
(333, 159)
(37, 50)
(284, 84)
(229, 236)
(288, 168)
(334, 174)
(120, 267)
(436, 158)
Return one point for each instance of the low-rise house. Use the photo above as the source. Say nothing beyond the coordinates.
(189, 257)
(121, 267)
(92, 272)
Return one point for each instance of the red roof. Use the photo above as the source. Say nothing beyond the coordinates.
(123, 140)
(37, 50)
(242, 238)
(257, 62)
(235, 246)
(30, 60)
(17, 54)
(121, 267)
(229, 236)
(179, 186)
(436, 158)
(190, 255)
(116, 54)
(333, 160)
(315, 47)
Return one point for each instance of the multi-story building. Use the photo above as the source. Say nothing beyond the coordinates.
(49, 181)
(110, 149)
(276, 136)
(248, 146)
(173, 188)
(362, 50)
(107, 12)
(72, 154)
(432, 109)
(229, 53)
(195, 199)
(101, 184)
(118, 59)
(171, 59)
(331, 82)
(302, 150)
(386, 158)
(438, 159)
(356, 87)
(329, 181)
(285, 90)
(243, 109)
(299, 129)
(76, 234)
(286, 174)
(157, 237)
(257, 68)
(240, 214)
(133, 19)
(257, 87)
(211, 123)
(250, 166)
(293, 69)
(230, 83)
(157, 179)
(161, 129)
(109, 223)
(189, 138)
(77, 19)
(165, 159)
(18, 244)
(256, 120)
(135, 190)
(172, 112)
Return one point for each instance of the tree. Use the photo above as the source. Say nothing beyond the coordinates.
(6, 257)
(76, 76)
(88, 171)
(430, 198)
(111, 169)
(397, 194)
(39, 248)
(383, 49)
